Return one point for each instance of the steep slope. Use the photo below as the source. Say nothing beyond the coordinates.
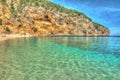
(43, 18)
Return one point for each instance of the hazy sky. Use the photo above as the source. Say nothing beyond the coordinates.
(106, 12)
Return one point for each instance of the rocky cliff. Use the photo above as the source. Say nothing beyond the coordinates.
(43, 18)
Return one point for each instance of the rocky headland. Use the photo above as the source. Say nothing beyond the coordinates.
(43, 18)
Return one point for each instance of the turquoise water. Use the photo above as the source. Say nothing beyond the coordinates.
(60, 58)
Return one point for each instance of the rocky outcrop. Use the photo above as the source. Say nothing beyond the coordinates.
(47, 21)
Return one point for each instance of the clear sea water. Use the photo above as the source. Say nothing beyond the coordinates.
(60, 58)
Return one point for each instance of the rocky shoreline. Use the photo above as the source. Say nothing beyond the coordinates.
(12, 36)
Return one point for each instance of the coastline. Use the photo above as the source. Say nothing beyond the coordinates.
(12, 36)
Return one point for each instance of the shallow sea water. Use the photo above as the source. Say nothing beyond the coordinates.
(60, 58)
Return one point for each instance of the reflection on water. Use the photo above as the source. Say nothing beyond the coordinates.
(60, 58)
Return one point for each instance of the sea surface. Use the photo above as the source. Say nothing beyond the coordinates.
(60, 58)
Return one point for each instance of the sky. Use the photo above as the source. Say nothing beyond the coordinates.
(105, 12)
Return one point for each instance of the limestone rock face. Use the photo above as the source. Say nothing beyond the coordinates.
(45, 21)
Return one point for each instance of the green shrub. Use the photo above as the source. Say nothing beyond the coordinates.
(35, 30)
(96, 27)
(33, 22)
(0, 22)
(7, 29)
(84, 31)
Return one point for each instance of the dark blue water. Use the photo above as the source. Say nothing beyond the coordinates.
(60, 58)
